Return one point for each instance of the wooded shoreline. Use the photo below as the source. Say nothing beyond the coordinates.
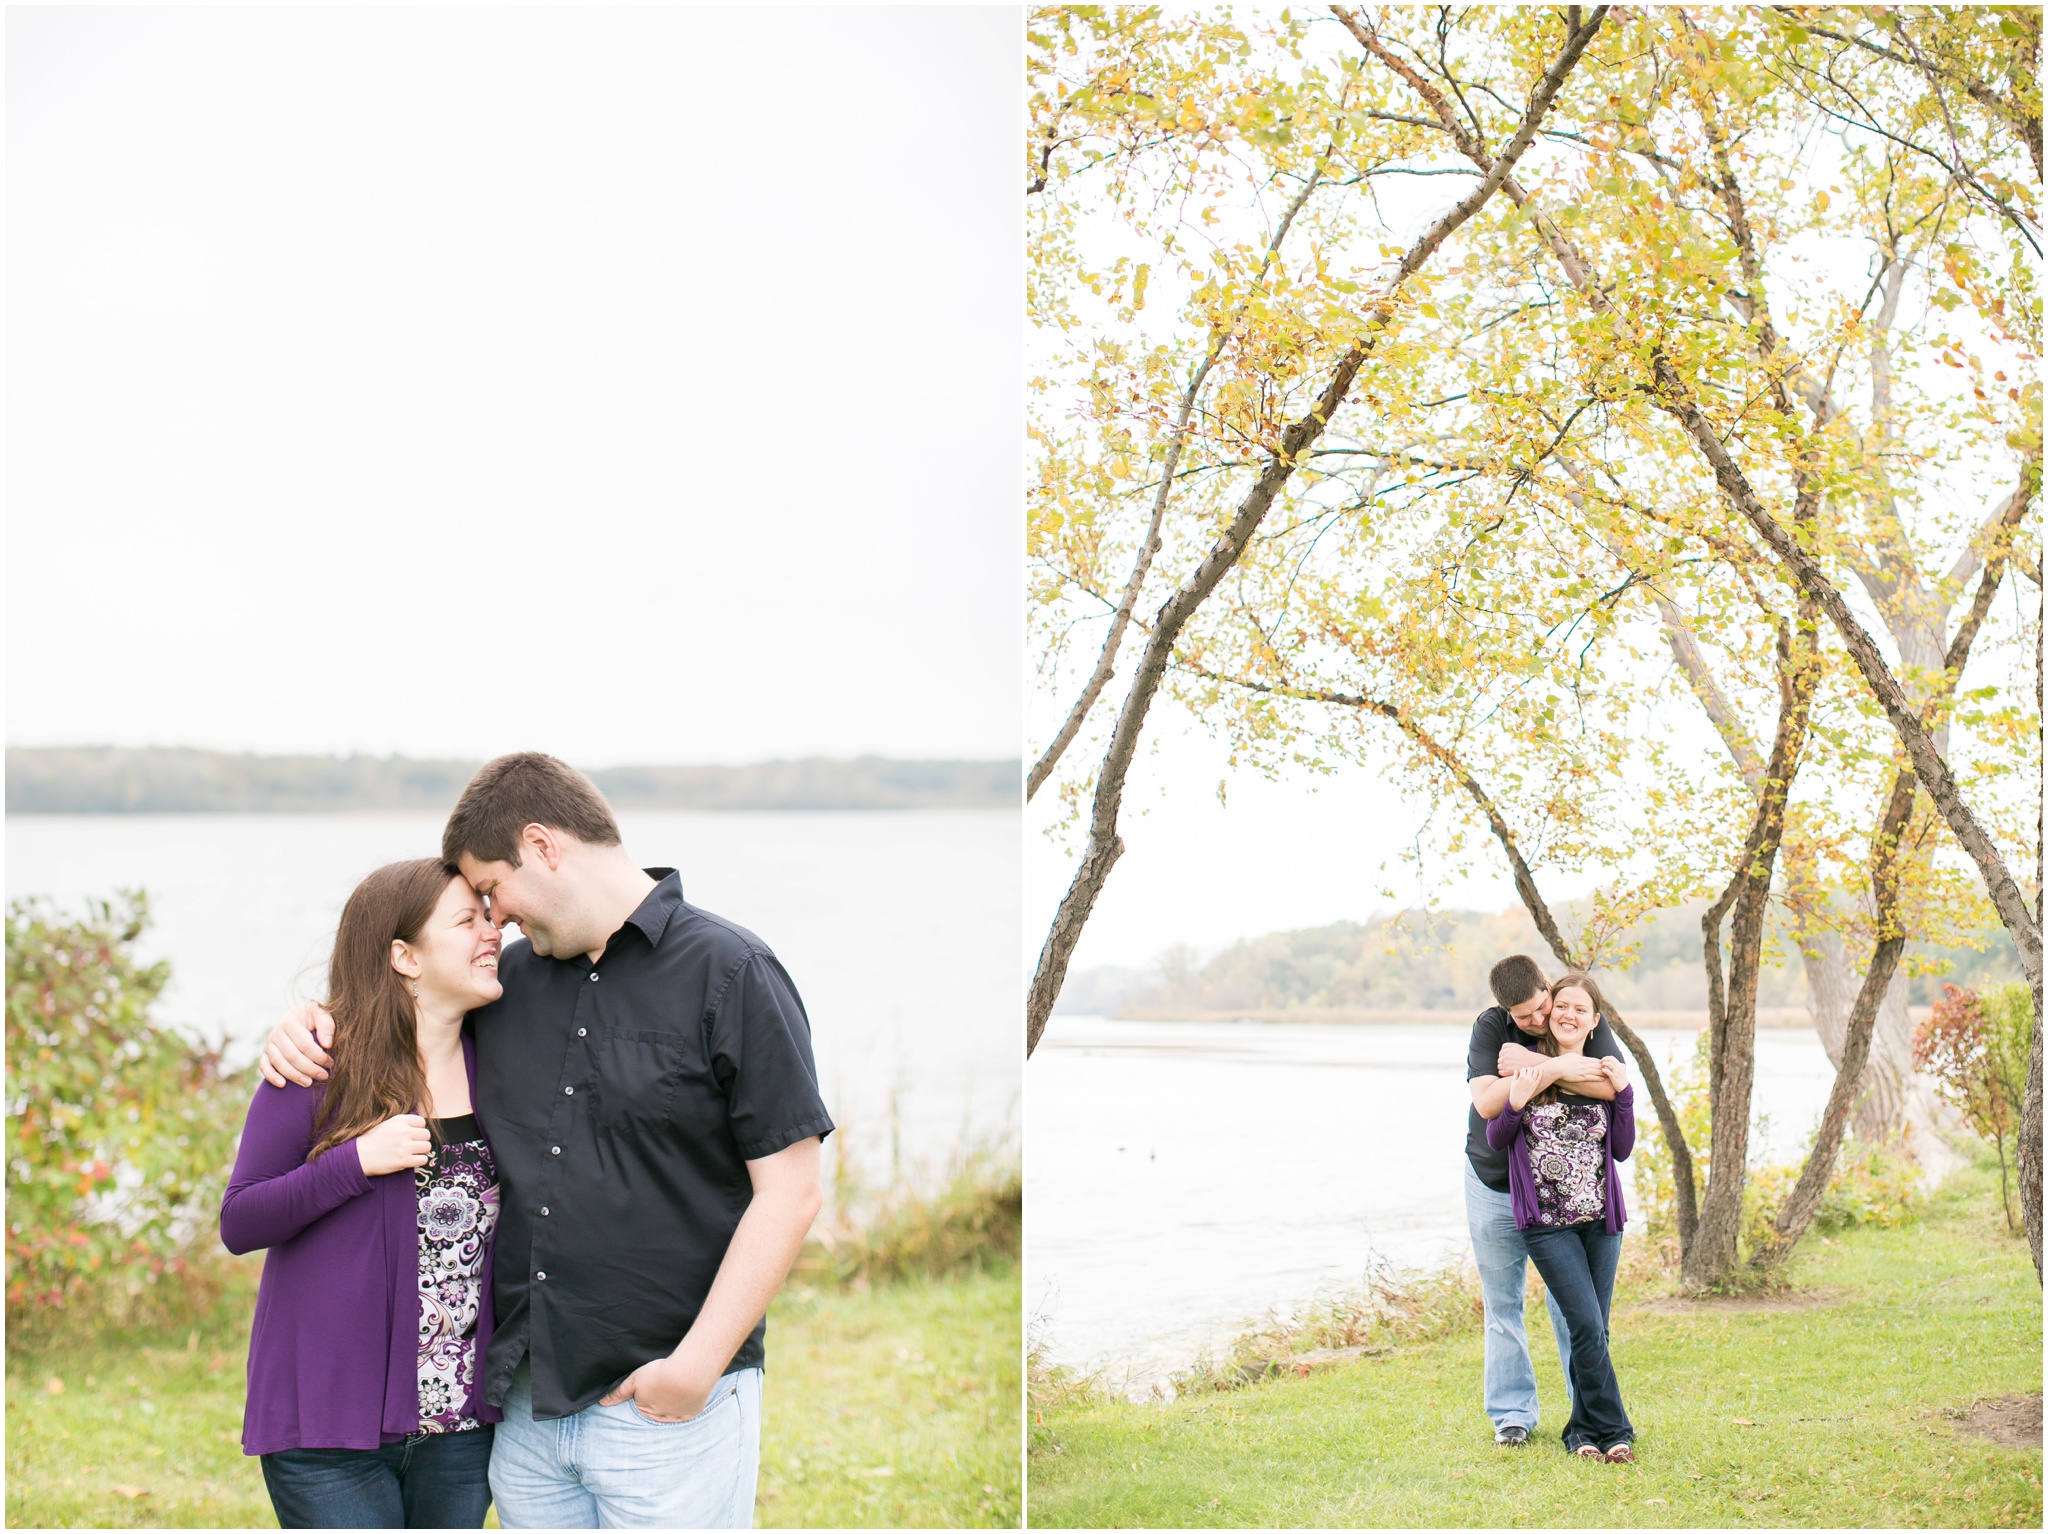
(110, 780)
(1769, 1017)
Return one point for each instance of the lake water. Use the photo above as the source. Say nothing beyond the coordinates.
(1187, 1178)
(899, 927)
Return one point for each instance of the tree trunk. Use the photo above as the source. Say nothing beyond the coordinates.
(2030, 1103)
(1827, 1142)
(1870, 996)
(1895, 1095)
(1731, 1064)
(2030, 1139)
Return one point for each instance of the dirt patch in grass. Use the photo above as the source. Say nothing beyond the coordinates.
(2011, 1422)
(1733, 1304)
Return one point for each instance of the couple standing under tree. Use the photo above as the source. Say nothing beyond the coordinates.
(1552, 1114)
(525, 1206)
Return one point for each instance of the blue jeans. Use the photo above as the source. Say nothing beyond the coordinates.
(1502, 1257)
(427, 1481)
(1577, 1263)
(613, 1467)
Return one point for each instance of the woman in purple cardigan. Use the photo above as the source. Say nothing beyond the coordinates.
(377, 1198)
(1566, 1195)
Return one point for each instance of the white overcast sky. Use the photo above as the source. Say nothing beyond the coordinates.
(635, 384)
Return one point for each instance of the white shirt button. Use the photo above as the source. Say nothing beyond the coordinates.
(543, 1209)
(593, 977)
(541, 1276)
(554, 1150)
(580, 1032)
(568, 1091)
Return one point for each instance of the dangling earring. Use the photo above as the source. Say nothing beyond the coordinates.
(415, 990)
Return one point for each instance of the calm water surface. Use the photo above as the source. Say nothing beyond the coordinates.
(1187, 1178)
(900, 929)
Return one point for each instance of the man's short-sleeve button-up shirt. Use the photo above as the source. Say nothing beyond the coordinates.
(624, 1100)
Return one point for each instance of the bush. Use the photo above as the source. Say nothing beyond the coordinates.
(121, 1132)
(1872, 1184)
(1656, 1184)
(1975, 1046)
(973, 1222)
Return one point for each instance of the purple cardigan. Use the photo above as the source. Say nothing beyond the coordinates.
(1506, 1132)
(334, 1355)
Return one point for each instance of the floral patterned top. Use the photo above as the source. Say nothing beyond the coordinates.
(458, 1210)
(1569, 1162)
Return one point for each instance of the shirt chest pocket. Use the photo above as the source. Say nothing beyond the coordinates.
(637, 1074)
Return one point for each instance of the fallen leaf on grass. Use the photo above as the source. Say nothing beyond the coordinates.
(1658, 1502)
(129, 1491)
(54, 1385)
(1744, 1422)
(1457, 1475)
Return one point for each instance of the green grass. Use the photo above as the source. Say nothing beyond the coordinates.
(1852, 1404)
(919, 1378)
(895, 1408)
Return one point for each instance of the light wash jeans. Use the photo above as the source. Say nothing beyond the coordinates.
(1502, 1257)
(612, 1467)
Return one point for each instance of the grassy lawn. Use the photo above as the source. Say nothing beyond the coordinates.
(897, 1408)
(1843, 1413)
(894, 1406)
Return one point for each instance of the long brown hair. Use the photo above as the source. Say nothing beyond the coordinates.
(376, 1071)
(1547, 1044)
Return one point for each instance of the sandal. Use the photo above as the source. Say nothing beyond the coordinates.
(1621, 1454)
(1588, 1451)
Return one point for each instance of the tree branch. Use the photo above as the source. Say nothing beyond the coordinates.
(1532, 900)
(1671, 395)
(1105, 665)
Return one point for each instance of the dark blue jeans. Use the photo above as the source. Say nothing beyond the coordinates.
(428, 1481)
(1577, 1263)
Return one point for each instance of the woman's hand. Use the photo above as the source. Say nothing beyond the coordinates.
(398, 1144)
(1615, 1072)
(1525, 1084)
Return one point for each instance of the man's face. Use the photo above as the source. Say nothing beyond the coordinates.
(524, 894)
(1532, 1016)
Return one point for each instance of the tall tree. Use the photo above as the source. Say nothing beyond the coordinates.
(1357, 142)
(1652, 350)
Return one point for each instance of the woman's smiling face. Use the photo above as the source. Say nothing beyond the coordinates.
(1571, 1017)
(455, 960)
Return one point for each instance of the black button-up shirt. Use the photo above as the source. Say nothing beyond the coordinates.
(623, 1101)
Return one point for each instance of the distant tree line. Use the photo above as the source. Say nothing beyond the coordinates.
(1437, 961)
(104, 780)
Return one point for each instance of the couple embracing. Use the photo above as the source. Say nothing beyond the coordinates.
(525, 1205)
(1552, 1114)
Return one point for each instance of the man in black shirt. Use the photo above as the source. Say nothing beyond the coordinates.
(1501, 1043)
(647, 1086)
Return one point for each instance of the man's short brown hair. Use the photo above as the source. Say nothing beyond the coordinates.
(524, 789)
(1514, 980)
